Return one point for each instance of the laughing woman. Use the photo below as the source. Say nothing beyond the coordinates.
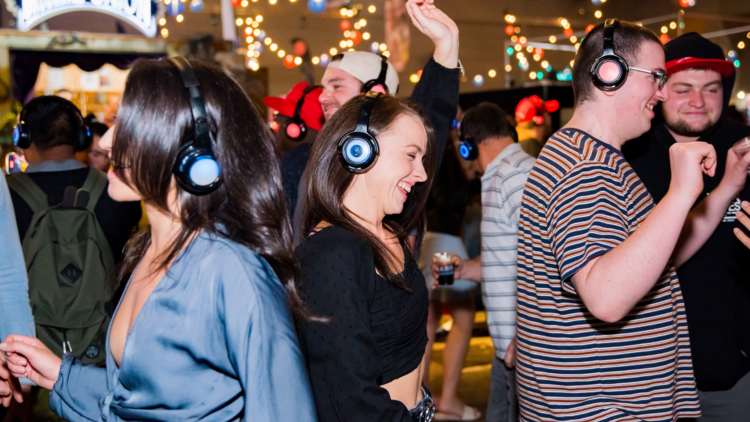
(366, 192)
(204, 329)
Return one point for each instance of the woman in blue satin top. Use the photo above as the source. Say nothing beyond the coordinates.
(204, 330)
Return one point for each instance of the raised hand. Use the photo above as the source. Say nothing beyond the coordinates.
(690, 160)
(27, 357)
(440, 28)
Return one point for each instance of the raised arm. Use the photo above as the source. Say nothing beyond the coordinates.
(708, 213)
(437, 90)
(611, 279)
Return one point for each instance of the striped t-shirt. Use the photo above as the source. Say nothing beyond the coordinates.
(502, 191)
(581, 200)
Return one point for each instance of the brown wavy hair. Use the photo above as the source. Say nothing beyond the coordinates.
(249, 207)
(328, 181)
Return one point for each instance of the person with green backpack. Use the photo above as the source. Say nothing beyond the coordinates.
(72, 233)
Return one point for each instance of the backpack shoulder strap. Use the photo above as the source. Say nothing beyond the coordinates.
(29, 191)
(95, 184)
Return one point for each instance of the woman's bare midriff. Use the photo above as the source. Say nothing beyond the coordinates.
(407, 389)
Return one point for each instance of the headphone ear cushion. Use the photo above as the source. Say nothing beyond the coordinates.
(609, 71)
(358, 152)
(196, 170)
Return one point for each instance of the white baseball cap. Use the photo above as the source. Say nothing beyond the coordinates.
(365, 67)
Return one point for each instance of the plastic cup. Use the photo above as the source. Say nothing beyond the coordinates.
(444, 262)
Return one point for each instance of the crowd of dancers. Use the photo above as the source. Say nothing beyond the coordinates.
(613, 266)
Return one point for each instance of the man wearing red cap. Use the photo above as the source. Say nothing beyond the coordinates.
(299, 118)
(714, 281)
(534, 123)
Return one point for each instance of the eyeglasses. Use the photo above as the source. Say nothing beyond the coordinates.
(661, 77)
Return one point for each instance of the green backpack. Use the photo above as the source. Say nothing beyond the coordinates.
(68, 259)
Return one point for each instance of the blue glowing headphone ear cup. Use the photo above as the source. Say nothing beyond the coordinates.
(357, 151)
(464, 151)
(204, 171)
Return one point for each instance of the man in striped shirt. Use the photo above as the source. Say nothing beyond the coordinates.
(505, 167)
(601, 331)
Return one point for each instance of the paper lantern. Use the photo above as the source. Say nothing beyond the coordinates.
(234, 3)
(355, 37)
(590, 28)
(568, 32)
(289, 61)
(317, 6)
(664, 38)
(509, 30)
(196, 5)
(345, 25)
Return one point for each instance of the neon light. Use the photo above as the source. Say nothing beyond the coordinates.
(135, 12)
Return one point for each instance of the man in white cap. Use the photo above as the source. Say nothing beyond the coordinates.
(356, 72)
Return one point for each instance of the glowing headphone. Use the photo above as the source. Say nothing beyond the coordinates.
(358, 150)
(195, 167)
(609, 71)
(378, 85)
(22, 131)
(296, 129)
(468, 149)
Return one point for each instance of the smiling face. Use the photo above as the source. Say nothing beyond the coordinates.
(338, 88)
(635, 101)
(399, 167)
(118, 190)
(695, 102)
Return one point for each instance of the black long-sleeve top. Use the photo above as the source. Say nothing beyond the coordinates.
(377, 332)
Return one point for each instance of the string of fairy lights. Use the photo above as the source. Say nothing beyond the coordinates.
(257, 40)
(354, 33)
(520, 49)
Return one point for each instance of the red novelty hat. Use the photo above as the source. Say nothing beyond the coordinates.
(533, 108)
(312, 111)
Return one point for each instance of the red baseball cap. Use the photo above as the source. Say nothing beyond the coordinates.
(311, 112)
(725, 67)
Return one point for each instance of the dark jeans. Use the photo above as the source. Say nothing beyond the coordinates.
(503, 404)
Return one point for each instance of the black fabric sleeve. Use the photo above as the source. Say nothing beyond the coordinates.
(437, 93)
(337, 274)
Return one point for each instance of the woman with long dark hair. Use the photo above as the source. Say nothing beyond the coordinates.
(358, 270)
(204, 329)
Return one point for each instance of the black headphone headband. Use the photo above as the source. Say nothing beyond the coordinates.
(301, 101)
(609, 36)
(197, 104)
(363, 122)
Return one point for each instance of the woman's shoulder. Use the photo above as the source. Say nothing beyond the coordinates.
(228, 260)
(332, 246)
(333, 239)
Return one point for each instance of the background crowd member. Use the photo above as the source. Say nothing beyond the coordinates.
(70, 256)
(436, 92)
(445, 211)
(505, 167)
(534, 123)
(595, 273)
(714, 281)
(358, 270)
(95, 156)
(52, 167)
(205, 306)
(296, 151)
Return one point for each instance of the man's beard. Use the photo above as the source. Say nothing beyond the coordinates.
(682, 128)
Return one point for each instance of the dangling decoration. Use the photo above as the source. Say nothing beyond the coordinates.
(175, 8)
(317, 6)
(196, 5)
